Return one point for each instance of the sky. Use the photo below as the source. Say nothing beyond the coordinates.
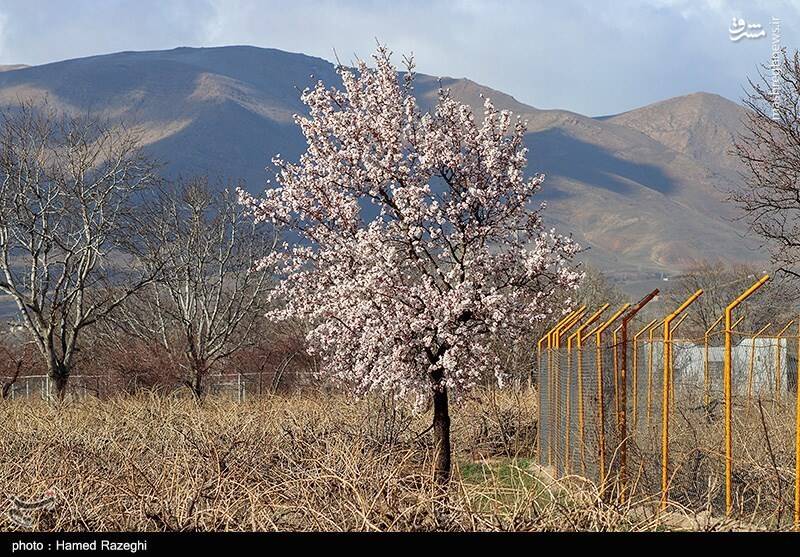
(593, 57)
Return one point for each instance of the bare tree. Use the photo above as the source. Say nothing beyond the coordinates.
(211, 291)
(721, 284)
(278, 358)
(596, 289)
(769, 148)
(66, 189)
(15, 359)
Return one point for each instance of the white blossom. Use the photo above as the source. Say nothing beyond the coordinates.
(418, 244)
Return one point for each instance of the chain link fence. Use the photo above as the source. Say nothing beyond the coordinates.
(646, 430)
(238, 386)
(38, 386)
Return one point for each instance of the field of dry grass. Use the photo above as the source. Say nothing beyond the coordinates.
(301, 462)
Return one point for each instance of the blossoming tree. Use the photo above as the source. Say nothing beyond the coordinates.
(417, 243)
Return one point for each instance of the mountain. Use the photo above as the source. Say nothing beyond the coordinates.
(647, 188)
(10, 67)
(644, 189)
(700, 125)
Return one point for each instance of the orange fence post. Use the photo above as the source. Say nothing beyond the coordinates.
(538, 361)
(635, 384)
(578, 334)
(554, 378)
(666, 389)
(797, 439)
(579, 372)
(555, 425)
(706, 362)
(727, 376)
(615, 360)
(568, 412)
(672, 371)
(568, 380)
(678, 324)
(623, 379)
(566, 326)
(600, 411)
(650, 376)
(548, 337)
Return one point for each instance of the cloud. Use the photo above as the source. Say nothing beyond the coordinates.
(40, 31)
(592, 57)
(595, 57)
(3, 23)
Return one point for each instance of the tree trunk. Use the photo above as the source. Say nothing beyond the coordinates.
(441, 432)
(58, 370)
(8, 385)
(58, 382)
(197, 384)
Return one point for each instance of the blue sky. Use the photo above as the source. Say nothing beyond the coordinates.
(594, 57)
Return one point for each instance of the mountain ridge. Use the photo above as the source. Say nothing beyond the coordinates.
(644, 188)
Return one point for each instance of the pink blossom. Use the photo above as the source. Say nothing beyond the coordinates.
(419, 245)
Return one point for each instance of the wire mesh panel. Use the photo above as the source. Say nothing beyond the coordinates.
(576, 393)
(607, 422)
(645, 387)
(39, 386)
(240, 386)
(764, 396)
(544, 385)
(645, 407)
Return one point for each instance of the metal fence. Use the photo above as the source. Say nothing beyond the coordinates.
(239, 386)
(709, 423)
(38, 386)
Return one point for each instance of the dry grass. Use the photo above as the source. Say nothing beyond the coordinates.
(763, 460)
(301, 462)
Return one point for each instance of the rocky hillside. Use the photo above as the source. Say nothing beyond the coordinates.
(644, 189)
